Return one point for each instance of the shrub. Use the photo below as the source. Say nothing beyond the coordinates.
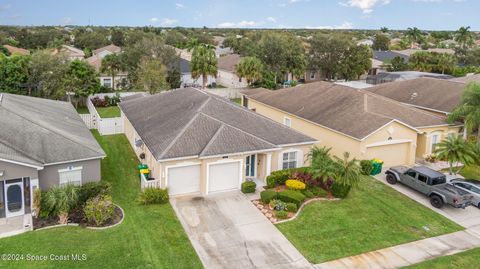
(93, 189)
(281, 214)
(304, 175)
(267, 195)
(308, 193)
(153, 196)
(366, 167)
(249, 187)
(98, 210)
(36, 202)
(278, 178)
(290, 196)
(278, 205)
(98, 102)
(294, 184)
(340, 191)
(59, 201)
(291, 207)
(318, 192)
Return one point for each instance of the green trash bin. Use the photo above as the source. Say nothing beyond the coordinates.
(377, 167)
(141, 167)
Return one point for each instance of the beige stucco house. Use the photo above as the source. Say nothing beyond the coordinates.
(195, 142)
(353, 120)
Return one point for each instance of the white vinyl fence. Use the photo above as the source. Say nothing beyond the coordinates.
(229, 93)
(89, 120)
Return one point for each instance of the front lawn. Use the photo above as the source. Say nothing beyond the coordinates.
(471, 171)
(464, 260)
(373, 216)
(108, 112)
(237, 101)
(149, 237)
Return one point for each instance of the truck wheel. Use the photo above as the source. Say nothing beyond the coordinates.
(436, 201)
(391, 179)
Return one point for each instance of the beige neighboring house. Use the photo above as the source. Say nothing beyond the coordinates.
(226, 72)
(353, 120)
(16, 51)
(96, 61)
(196, 142)
(71, 52)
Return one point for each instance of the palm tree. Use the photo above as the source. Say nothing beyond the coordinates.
(61, 200)
(446, 62)
(469, 109)
(464, 37)
(347, 170)
(112, 64)
(414, 35)
(322, 168)
(250, 68)
(384, 30)
(455, 149)
(204, 62)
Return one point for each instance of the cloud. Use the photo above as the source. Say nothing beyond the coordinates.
(67, 20)
(168, 22)
(242, 24)
(271, 19)
(154, 19)
(344, 25)
(365, 5)
(179, 5)
(5, 7)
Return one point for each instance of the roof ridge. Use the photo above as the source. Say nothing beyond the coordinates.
(21, 151)
(217, 133)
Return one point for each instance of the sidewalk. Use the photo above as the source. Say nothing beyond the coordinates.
(410, 253)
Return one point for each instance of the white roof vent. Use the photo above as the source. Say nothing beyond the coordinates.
(413, 96)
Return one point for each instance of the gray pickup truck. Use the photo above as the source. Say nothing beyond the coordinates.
(431, 183)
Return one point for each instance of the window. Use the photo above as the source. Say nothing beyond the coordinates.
(107, 82)
(70, 175)
(434, 141)
(312, 75)
(422, 178)
(438, 180)
(287, 122)
(411, 173)
(289, 160)
(475, 189)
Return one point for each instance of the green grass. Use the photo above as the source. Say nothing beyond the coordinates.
(466, 260)
(237, 100)
(471, 171)
(83, 110)
(149, 237)
(373, 216)
(108, 112)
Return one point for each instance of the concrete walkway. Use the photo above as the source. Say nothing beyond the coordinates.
(410, 253)
(227, 231)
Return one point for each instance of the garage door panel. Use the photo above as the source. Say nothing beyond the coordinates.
(396, 154)
(224, 177)
(183, 180)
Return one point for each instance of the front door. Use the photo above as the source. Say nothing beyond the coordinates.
(250, 166)
(14, 198)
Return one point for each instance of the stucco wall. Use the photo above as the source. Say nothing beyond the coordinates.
(230, 80)
(14, 171)
(424, 139)
(49, 176)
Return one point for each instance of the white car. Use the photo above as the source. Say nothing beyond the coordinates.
(471, 186)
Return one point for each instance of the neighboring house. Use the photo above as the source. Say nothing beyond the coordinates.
(188, 80)
(409, 52)
(226, 72)
(385, 77)
(352, 120)
(16, 51)
(43, 143)
(313, 76)
(96, 61)
(195, 142)
(381, 60)
(71, 52)
(440, 96)
(365, 42)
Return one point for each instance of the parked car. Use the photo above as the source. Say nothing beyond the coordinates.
(471, 186)
(431, 183)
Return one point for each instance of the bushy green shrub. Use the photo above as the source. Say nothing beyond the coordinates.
(153, 196)
(281, 214)
(289, 196)
(279, 177)
(318, 191)
(308, 193)
(340, 191)
(98, 210)
(93, 189)
(366, 167)
(267, 195)
(291, 207)
(60, 201)
(249, 187)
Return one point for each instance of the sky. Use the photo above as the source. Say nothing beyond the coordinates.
(318, 14)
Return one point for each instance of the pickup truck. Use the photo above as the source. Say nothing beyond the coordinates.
(431, 183)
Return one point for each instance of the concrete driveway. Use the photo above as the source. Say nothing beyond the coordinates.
(468, 217)
(227, 231)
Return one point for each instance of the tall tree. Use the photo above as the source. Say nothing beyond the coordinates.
(455, 150)
(47, 74)
(152, 75)
(204, 63)
(469, 109)
(397, 64)
(250, 68)
(81, 79)
(414, 35)
(14, 73)
(117, 38)
(347, 171)
(112, 64)
(381, 42)
(357, 62)
(464, 37)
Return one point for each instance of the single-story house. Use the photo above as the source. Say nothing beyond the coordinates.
(196, 142)
(107, 50)
(96, 61)
(43, 143)
(16, 51)
(186, 76)
(226, 72)
(385, 77)
(440, 96)
(71, 52)
(353, 120)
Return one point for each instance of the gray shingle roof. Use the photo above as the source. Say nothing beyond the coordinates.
(190, 122)
(39, 131)
(356, 113)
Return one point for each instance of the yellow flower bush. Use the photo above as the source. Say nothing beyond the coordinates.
(294, 184)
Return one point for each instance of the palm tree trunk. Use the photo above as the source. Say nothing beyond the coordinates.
(113, 81)
(205, 80)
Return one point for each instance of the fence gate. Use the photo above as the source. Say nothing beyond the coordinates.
(89, 120)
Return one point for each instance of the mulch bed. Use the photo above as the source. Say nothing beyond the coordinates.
(77, 217)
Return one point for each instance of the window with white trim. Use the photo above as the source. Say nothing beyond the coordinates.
(289, 160)
(435, 139)
(312, 74)
(71, 175)
(287, 122)
(107, 82)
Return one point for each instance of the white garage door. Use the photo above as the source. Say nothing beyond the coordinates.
(396, 154)
(224, 177)
(183, 180)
